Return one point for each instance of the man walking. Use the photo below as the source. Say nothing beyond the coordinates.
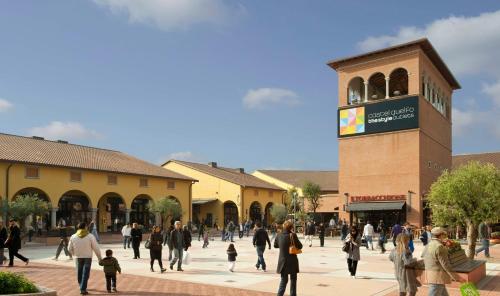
(396, 229)
(368, 234)
(310, 231)
(230, 231)
(484, 235)
(437, 264)
(126, 233)
(13, 242)
(331, 226)
(63, 243)
(201, 229)
(177, 242)
(260, 238)
(81, 245)
(382, 233)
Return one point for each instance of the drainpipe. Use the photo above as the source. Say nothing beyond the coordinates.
(4, 206)
(191, 201)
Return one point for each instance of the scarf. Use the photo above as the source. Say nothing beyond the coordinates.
(81, 233)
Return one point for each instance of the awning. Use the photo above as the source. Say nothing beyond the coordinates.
(202, 201)
(375, 206)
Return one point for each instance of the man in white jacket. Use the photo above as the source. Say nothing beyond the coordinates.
(126, 232)
(368, 234)
(81, 245)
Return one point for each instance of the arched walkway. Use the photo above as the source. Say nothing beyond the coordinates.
(140, 211)
(356, 91)
(268, 219)
(40, 223)
(255, 211)
(111, 211)
(376, 87)
(398, 82)
(230, 212)
(74, 207)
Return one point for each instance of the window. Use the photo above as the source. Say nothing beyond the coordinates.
(112, 180)
(429, 164)
(75, 176)
(32, 173)
(256, 192)
(171, 185)
(270, 193)
(143, 182)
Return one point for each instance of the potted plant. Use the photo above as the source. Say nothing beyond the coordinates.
(18, 285)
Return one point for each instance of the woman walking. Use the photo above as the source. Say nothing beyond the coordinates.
(288, 264)
(353, 242)
(155, 247)
(382, 238)
(402, 258)
(187, 237)
(136, 235)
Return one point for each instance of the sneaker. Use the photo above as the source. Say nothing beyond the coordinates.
(109, 291)
(163, 270)
(114, 290)
(180, 269)
(84, 293)
(27, 261)
(171, 267)
(353, 277)
(257, 267)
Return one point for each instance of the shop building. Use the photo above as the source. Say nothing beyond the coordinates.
(83, 183)
(228, 194)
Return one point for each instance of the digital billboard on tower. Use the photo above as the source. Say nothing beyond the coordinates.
(379, 117)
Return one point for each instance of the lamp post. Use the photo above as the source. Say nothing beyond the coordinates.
(294, 200)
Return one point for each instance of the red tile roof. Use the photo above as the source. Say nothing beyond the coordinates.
(327, 180)
(489, 157)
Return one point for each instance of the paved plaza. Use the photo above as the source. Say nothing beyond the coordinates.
(323, 272)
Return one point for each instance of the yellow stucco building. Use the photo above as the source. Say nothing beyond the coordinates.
(226, 194)
(85, 183)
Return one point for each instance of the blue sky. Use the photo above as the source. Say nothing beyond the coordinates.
(243, 83)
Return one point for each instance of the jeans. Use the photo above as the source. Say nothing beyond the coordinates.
(136, 246)
(177, 258)
(485, 246)
(352, 265)
(126, 241)
(83, 272)
(310, 239)
(284, 282)
(14, 253)
(369, 241)
(110, 281)
(381, 243)
(437, 290)
(63, 244)
(231, 236)
(321, 241)
(260, 257)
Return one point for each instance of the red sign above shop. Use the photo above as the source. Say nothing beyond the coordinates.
(361, 198)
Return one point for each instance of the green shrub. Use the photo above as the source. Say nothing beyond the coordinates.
(15, 283)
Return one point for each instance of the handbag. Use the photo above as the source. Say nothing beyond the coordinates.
(293, 250)
(147, 244)
(346, 247)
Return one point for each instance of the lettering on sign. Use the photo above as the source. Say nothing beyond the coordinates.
(361, 198)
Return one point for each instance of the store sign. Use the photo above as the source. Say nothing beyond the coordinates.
(363, 198)
(383, 116)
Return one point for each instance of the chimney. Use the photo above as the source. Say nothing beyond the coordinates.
(62, 141)
(38, 138)
(242, 170)
(212, 164)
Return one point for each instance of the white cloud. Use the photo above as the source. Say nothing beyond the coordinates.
(475, 121)
(261, 97)
(58, 130)
(171, 14)
(181, 155)
(5, 105)
(469, 45)
(493, 90)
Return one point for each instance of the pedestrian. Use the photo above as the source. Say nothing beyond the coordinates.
(13, 242)
(403, 261)
(353, 242)
(484, 235)
(230, 231)
(136, 235)
(176, 238)
(288, 264)
(93, 230)
(206, 236)
(3, 238)
(169, 242)
(126, 232)
(396, 229)
(409, 232)
(111, 267)
(382, 239)
(39, 226)
(260, 237)
(223, 233)
(368, 235)
(248, 225)
(274, 230)
(31, 231)
(344, 230)
(241, 230)
(231, 257)
(186, 237)
(155, 248)
(63, 242)
(310, 231)
(201, 230)
(437, 264)
(81, 245)
(423, 236)
(331, 226)
(321, 235)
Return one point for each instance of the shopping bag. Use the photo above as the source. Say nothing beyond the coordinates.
(468, 289)
(411, 246)
(186, 258)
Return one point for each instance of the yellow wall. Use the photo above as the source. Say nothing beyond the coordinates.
(55, 182)
(276, 182)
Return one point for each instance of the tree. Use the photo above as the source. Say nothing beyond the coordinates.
(167, 207)
(25, 205)
(290, 200)
(279, 213)
(312, 193)
(469, 194)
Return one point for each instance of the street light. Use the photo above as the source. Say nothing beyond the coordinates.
(294, 200)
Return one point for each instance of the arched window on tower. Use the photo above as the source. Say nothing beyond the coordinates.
(398, 82)
(356, 91)
(376, 87)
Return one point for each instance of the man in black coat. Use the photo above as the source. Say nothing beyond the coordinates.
(136, 236)
(288, 264)
(14, 243)
(3, 238)
(177, 242)
(260, 238)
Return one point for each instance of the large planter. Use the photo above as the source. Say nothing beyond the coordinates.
(43, 292)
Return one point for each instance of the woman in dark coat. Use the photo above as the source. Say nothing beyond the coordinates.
(288, 264)
(155, 247)
(13, 242)
(187, 237)
(3, 238)
(136, 235)
(353, 240)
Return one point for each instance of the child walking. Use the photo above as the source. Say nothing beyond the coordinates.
(205, 238)
(231, 257)
(111, 266)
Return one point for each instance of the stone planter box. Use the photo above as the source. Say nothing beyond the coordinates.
(43, 292)
(471, 271)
